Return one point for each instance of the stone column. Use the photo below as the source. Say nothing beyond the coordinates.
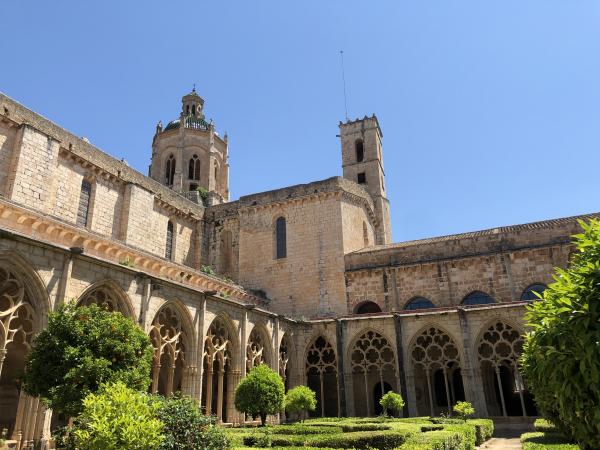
(340, 336)
(201, 330)
(402, 379)
(472, 379)
(209, 389)
(221, 374)
(65, 277)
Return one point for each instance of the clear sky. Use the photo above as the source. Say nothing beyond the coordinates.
(490, 110)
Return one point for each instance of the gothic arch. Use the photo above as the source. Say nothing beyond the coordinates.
(258, 347)
(24, 306)
(109, 294)
(498, 349)
(373, 362)
(322, 375)
(172, 336)
(286, 356)
(436, 361)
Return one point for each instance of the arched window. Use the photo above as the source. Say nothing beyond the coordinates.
(170, 170)
(84, 203)
(477, 298)
(280, 238)
(360, 150)
(193, 110)
(194, 168)
(419, 303)
(169, 243)
(365, 234)
(367, 307)
(529, 294)
(322, 377)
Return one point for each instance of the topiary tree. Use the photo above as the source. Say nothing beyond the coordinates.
(81, 348)
(260, 393)
(186, 428)
(561, 357)
(463, 410)
(118, 418)
(392, 402)
(300, 400)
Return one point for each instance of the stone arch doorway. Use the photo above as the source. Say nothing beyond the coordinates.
(171, 346)
(218, 370)
(322, 377)
(437, 376)
(498, 351)
(373, 363)
(378, 391)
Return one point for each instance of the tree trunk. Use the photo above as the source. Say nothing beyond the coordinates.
(263, 419)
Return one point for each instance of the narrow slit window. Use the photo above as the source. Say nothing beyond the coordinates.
(280, 238)
(170, 170)
(194, 168)
(360, 150)
(84, 203)
(169, 243)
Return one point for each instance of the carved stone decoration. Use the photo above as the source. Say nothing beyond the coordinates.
(216, 344)
(103, 297)
(255, 350)
(217, 358)
(321, 363)
(167, 338)
(284, 357)
(501, 347)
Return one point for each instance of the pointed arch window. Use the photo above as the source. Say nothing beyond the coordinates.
(84, 203)
(280, 238)
(169, 243)
(477, 298)
(170, 170)
(194, 168)
(360, 150)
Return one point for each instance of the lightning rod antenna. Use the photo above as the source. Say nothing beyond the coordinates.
(344, 82)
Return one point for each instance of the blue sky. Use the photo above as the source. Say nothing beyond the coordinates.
(490, 110)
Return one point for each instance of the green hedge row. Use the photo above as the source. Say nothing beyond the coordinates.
(484, 429)
(539, 440)
(435, 440)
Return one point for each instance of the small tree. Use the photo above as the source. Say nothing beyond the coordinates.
(118, 418)
(561, 356)
(260, 393)
(463, 410)
(82, 348)
(392, 402)
(186, 428)
(300, 400)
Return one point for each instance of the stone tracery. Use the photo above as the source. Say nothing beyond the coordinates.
(105, 297)
(284, 357)
(217, 361)
(322, 375)
(256, 350)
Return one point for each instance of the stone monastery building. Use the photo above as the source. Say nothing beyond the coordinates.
(303, 278)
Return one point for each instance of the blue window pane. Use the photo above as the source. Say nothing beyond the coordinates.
(419, 303)
(529, 293)
(478, 298)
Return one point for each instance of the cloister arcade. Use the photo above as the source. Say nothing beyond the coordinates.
(322, 376)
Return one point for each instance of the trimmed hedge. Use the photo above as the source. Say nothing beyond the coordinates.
(544, 426)
(546, 441)
(382, 440)
(307, 429)
(435, 440)
(468, 433)
(484, 429)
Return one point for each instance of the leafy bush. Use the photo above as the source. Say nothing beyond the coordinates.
(434, 440)
(300, 400)
(118, 418)
(392, 402)
(431, 427)
(186, 428)
(207, 269)
(463, 410)
(446, 420)
(82, 348)
(260, 393)
(382, 440)
(468, 434)
(365, 427)
(303, 429)
(484, 429)
(260, 438)
(546, 441)
(544, 426)
(561, 358)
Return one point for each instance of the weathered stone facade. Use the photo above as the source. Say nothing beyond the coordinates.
(305, 278)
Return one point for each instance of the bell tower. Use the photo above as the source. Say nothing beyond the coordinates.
(362, 162)
(190, 157)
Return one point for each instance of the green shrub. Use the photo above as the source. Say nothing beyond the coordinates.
(82, 348)
(484, 429)
(303, 429)
(300, 400)
(364, 427)
(382, 440)
(431, 427)
(463, 410)
(546, 441)
(391, 401)
(260, 393)
(561, 357)
(186, 428)
(468, 433)
(544, 426)
(118, 418)
(446, 420)
(435, 440)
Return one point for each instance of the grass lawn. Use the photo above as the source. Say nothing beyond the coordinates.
(369, 432)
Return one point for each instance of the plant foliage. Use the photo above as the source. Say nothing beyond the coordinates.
(82, 348)
(118, 418)
(300, 400)
(260, 393)
(186, 428)
(464, 410)
(561, 358)
(391, 401)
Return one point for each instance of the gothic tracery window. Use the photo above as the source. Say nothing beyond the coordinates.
(194, 168)
(374, 367)
(284, 357)
(436, 363)
(105, 297)
(217, 368)
(256, 353)
(499, 350)
(168, 339)
(170, 170)
(322, 376)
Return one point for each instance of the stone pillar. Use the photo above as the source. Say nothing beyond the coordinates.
(402, 380)
(340, 335)
(201, 330)
(146, 294)
(209, 389)
(275, 346)
(65, 277)
(472, 379)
